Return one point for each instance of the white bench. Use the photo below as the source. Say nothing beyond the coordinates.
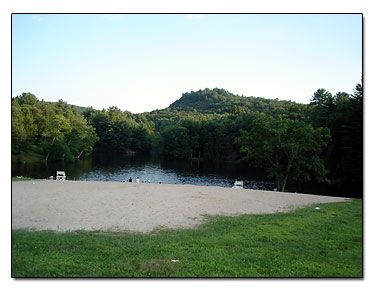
(238, 184)
(61, 175)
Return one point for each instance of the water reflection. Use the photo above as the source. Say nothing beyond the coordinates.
(120, 168)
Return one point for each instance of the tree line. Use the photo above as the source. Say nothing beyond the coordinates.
(294, 142)
(55, 131)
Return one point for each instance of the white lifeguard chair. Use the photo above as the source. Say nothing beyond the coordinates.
(238, 184)
(61, 175)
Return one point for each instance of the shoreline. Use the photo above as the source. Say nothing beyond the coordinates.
(139, 207)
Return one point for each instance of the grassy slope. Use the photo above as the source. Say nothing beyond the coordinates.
(303, 243)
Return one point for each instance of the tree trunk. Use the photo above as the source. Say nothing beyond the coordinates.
(287, 174)
(54, 139)
(80, 153)
(275, 166)
(284, 182)
(46, 158)
(278, 184)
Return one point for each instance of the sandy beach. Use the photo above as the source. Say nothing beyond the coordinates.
(116, 206)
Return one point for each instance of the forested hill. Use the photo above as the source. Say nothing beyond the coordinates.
(220, 101)
(210, 124)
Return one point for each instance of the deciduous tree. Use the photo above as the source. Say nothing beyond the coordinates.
(289, 149)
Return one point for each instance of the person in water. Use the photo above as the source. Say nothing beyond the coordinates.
(137, 180)
(130, 179)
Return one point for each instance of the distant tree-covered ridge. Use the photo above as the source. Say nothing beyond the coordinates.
(220, 101)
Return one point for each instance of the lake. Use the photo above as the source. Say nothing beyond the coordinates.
(120, 168)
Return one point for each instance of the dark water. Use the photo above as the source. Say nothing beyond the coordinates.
(121, 168)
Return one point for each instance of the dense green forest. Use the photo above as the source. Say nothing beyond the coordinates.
(320, 141)
(55, 131)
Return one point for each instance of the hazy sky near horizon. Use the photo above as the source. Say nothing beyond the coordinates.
(143, 62)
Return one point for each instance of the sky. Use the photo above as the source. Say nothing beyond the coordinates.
(143, 62)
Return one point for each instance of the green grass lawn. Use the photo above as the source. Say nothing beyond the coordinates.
(303, 243)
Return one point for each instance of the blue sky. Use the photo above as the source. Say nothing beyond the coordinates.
(145, 62)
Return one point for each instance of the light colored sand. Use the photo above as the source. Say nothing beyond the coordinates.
(74, 205)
